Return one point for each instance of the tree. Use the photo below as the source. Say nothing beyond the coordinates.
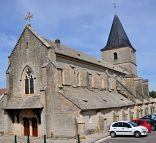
(152, 94)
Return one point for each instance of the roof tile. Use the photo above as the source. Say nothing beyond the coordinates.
(2, 91)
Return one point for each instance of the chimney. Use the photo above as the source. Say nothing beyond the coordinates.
(57, 42)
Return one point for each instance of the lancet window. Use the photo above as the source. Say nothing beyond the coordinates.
(29, 82)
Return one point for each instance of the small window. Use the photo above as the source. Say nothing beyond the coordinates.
(115, 56)
(27, 45)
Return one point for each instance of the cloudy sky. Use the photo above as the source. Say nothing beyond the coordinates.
(83, 25)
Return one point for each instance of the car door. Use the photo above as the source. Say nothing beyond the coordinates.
(127, 129)
(117, 127)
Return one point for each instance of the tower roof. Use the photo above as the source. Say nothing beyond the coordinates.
(117, 37)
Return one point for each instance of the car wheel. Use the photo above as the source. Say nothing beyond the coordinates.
(112, 134)
(137, 134)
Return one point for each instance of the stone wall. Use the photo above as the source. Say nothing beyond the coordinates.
(3, 101)
(125, 58)
(29, 51)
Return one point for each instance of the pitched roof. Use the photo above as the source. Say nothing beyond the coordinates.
(31, 102)
(117, 37)
(37, 36)
(66, 51)
(2, 91)
(86, 99)
(69, 52)
(28, 27)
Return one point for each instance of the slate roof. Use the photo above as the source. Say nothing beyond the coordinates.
(27, 102)
(2, 91)
(87, 99)
(117, 37)
(66, 51)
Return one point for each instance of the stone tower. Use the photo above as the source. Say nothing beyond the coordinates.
(119, 50)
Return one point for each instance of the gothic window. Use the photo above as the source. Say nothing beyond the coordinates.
(115, 56)
(29, 82)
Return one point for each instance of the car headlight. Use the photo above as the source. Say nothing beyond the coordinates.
(143, 129)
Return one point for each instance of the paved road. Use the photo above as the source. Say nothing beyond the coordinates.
(151, 138)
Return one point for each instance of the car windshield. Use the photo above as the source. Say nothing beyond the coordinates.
(133, 124)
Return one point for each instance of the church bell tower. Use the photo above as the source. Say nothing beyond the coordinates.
(118, 50)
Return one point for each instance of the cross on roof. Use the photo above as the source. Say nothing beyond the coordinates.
(115, 7)
(28, 17)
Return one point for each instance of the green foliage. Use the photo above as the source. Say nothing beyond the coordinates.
(152, 94)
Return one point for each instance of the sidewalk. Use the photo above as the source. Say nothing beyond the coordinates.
(93, 138)
(89, 139)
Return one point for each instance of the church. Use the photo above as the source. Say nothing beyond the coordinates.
(59, 91)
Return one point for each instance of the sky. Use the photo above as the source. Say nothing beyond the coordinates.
(83, 25)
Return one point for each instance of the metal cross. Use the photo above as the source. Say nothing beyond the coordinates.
(115, 7)
(28, 17)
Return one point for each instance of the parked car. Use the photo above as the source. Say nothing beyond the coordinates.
(151, 121)
(152, 116)
(143, 122)
(127, 128)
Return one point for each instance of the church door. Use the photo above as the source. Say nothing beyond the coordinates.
(26, 126)
(34, 127)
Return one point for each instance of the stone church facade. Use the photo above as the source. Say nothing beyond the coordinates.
(58, 91)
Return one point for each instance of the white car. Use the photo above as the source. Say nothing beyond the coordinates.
(127, 128)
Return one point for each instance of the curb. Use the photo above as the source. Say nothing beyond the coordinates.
(103, 139)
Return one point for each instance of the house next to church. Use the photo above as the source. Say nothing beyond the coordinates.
(60, 92)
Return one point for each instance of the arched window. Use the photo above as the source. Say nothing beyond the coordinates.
(29, 82)
(115, 56)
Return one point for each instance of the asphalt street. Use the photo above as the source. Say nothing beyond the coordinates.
(151, 138)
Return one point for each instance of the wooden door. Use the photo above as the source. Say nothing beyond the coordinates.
(26, 126)
(34, 127)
